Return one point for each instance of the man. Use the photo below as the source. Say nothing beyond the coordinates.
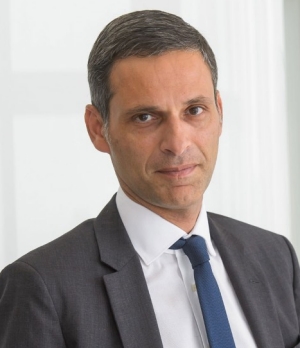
(114, 281)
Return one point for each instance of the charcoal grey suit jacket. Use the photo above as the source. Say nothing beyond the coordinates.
(87, 289)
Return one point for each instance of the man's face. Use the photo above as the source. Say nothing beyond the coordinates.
(164, 128)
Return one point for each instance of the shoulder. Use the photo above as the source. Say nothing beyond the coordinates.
(70, 264)
(244, 229)
(77, 243)
(242, 243)
(58, 283)
(253, 239)
(72, 253)
(75, 252)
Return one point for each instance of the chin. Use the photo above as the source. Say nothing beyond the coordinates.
(181, 202)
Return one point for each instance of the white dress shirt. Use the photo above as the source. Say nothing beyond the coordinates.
(170, 279)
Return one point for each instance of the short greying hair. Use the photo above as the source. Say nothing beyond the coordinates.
(141, 34)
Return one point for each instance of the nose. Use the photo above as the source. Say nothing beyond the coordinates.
(175, 137)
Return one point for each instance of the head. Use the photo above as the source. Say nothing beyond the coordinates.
(156, 110)
(140, 34)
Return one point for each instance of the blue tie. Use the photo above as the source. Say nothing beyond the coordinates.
(213, 310)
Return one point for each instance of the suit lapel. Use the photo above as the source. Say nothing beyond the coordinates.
(126, 287)
(250, 284)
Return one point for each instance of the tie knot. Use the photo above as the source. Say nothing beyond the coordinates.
(194, 248)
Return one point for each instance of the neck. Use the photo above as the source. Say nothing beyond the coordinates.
(183, 217)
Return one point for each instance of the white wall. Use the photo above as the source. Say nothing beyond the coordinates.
(51, 178)
(292, 44)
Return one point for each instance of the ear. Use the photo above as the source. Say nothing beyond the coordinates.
(220, 109)
(95, 127)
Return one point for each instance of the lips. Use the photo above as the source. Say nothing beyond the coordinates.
(178, 171)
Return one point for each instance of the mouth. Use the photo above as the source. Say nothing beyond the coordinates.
(178, 171)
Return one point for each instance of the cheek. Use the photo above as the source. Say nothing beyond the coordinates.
(208, 138)
(215, 131)
(208, 143)
(126, 155)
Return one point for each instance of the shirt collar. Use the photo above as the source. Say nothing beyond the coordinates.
(150, 234)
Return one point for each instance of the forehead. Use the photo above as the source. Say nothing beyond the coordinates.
(172, 74)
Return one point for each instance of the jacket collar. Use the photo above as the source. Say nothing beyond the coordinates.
(126, 285)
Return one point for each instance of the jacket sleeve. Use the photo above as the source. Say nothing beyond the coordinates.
(28, 318)
(296, 285)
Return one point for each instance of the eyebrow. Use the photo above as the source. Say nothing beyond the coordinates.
(139, 109)
(200, 99)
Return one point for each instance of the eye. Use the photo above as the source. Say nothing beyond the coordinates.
(143, 118)
(195, 110)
